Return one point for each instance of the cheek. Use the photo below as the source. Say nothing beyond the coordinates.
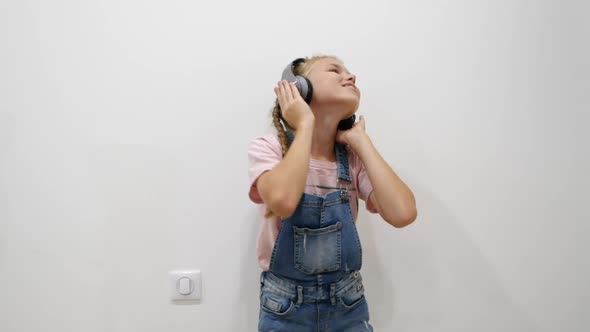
(321, 91)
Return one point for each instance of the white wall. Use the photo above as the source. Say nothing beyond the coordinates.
(123, 135)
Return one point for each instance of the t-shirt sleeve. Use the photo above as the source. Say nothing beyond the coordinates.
(264, 153)
(364, 184)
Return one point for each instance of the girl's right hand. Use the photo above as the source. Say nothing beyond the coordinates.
(293, 108)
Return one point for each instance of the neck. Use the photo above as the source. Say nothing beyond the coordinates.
(324, 132)
(324, 138)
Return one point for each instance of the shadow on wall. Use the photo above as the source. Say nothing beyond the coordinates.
(430, 276)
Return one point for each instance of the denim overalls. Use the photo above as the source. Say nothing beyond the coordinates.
(313, 283)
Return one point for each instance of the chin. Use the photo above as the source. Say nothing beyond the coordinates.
(350, 113)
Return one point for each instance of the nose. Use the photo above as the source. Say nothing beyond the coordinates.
(351, 77)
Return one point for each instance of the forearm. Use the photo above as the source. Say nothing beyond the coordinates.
(293, 169)
(395, 201)
(283, 186)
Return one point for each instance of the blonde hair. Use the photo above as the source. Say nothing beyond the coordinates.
(302, 69)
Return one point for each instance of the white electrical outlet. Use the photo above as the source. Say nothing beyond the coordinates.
(185, 285)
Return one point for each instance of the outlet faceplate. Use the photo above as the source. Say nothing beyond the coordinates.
(185, 285)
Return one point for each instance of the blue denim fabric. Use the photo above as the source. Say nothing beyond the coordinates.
(337, 307)
(313, 282)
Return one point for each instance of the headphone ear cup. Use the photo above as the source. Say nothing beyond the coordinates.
(306, 87)
(347, 123)
(301, 82)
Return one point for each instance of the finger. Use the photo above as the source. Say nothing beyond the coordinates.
(282, 91)
(294, 90)
(279, 95)
(362, 121)
(287, 90)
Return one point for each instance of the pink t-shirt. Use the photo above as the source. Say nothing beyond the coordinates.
(264, 153)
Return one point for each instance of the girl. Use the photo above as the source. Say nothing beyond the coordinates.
(307, 180)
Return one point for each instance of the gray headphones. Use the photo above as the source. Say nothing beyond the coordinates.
(302, 83)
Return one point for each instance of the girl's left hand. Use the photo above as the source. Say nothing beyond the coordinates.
(352, 135)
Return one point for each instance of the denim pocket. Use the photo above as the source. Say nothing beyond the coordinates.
(352, 296)
(318, 250)
(276, 304)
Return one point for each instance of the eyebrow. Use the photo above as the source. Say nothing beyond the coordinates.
(338, 66)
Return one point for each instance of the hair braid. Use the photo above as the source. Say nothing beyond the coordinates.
(276, 119)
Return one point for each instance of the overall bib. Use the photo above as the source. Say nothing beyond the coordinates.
(313, 283)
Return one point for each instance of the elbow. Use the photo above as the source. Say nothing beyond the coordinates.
(284, 206)
(404, 220)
